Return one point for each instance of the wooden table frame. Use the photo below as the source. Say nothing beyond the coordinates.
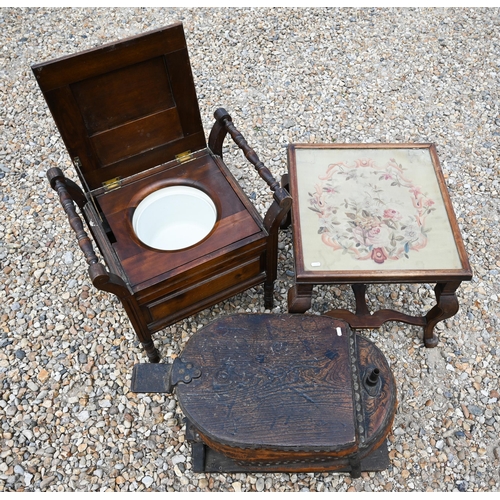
(447, 280)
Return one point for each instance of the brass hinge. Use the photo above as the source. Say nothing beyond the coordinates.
(183, 157)
(114, 183)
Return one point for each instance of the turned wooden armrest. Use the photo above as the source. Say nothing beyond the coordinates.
(59, 183)
(278, 210)
(69, 192)
(223, 125)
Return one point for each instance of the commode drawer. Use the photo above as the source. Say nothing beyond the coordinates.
(185, 298)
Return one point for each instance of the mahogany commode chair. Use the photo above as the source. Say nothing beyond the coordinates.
(129, 117)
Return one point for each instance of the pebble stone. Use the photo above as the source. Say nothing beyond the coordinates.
(68, 419)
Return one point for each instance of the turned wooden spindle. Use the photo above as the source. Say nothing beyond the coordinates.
(57, 181)
(278, 210)
(225, 125)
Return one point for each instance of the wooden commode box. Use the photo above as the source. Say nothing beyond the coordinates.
(176, 231)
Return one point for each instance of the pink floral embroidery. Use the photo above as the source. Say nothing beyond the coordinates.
(365, 214)
(364, 162)
(367, 237)
(416, 191)
(390, 213)
(379, 255)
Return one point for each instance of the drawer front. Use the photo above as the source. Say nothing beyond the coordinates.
(194, 298)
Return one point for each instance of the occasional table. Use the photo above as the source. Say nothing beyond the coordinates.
(372, 214)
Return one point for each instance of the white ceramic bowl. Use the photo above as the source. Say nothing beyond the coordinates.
(174, 217)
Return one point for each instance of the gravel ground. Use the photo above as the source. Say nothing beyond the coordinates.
(68, 419)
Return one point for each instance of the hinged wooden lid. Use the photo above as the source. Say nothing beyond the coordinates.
(125, 107)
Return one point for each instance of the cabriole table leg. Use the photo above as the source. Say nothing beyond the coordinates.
(446, 307)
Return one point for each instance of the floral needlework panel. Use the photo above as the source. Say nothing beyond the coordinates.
(372, 209)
